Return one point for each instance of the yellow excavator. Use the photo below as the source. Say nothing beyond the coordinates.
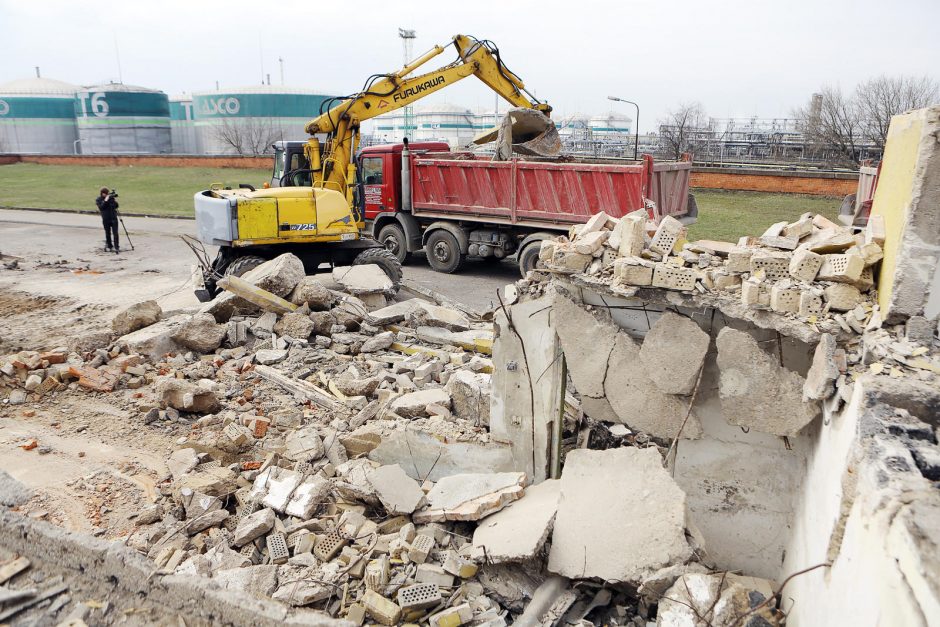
(314, 210)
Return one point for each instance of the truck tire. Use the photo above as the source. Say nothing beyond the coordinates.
(243, 264)
(529, 258)
(383, 259)
(393, 238)
(443, 252)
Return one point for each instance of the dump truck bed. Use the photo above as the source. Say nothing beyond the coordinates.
(544, 194)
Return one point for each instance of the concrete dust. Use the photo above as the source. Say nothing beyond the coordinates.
(43, 322)
(95, 469)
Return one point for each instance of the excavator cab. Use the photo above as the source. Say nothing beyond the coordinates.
(291, 166)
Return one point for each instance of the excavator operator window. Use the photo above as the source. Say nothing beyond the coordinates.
(299, 162)
(372, 170)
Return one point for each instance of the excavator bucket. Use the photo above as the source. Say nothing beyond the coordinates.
(523, 131)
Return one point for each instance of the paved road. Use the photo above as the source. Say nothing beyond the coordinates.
(160, 263)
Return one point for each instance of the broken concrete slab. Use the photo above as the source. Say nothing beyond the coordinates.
(274, 487)
(155, 340)
(605, 374)
(309, 494)
(399, 493)
(427, 314)
(216, 481)
(471, 510)
(259, 581)
(396, 312)
(756, 391)
(431, 459)
(519, 531)
(378, 342)
(822, 375)
(311, 292)
(296, 325)
(186, 396)
(279, 275)
(253, 526)
(269, 356)
(363, 279)
(200, 333)
(414, 404)
(470, 393)
(136, 317)
(451, 492)
(203, 522)
(587, 343)
(673, 352)
(607, 526)
(303, 445)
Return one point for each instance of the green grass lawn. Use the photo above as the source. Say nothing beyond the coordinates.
(147, 190)
(169, 191)
(726, 216)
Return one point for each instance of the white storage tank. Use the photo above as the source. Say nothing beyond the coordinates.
(123, 119)
(611, 125)
(247, 120)
(183, 137)
(452, 123)
(37, 116)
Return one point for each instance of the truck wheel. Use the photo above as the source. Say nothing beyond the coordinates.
(529, 258)
(243, 264)
(444, 252)
(393, 238)
(383, 259)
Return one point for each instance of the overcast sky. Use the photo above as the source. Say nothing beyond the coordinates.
(736, 57)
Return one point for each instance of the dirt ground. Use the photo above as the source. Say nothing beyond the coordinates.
(93, 466)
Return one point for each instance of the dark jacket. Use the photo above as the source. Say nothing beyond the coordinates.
(107, 205)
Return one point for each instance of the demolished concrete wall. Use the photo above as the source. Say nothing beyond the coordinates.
(740, 482)
(906, 202)
(528, 385)
(869, 507)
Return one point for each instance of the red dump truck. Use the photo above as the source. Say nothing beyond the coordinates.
(458, 205)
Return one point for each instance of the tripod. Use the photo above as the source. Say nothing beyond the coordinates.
(126, 234)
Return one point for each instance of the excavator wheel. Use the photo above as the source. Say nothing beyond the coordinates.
(383, 259)
(243, 264)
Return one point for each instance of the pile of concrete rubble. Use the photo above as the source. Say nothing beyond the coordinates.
(312, 409)
(812, 279)
(813, 269)
(316, 471)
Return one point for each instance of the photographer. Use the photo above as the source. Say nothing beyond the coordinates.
(107, 205)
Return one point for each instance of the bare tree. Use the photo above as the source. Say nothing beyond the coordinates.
(248, 136)
(678, 129)
(832, 126)
(885, 96)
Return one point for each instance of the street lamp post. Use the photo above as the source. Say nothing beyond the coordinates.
(636, 145)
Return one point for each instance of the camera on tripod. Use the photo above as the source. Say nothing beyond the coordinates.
(113, 194)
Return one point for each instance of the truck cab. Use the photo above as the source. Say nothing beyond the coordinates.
(380, 176)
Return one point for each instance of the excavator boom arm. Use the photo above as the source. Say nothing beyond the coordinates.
(395, 91)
